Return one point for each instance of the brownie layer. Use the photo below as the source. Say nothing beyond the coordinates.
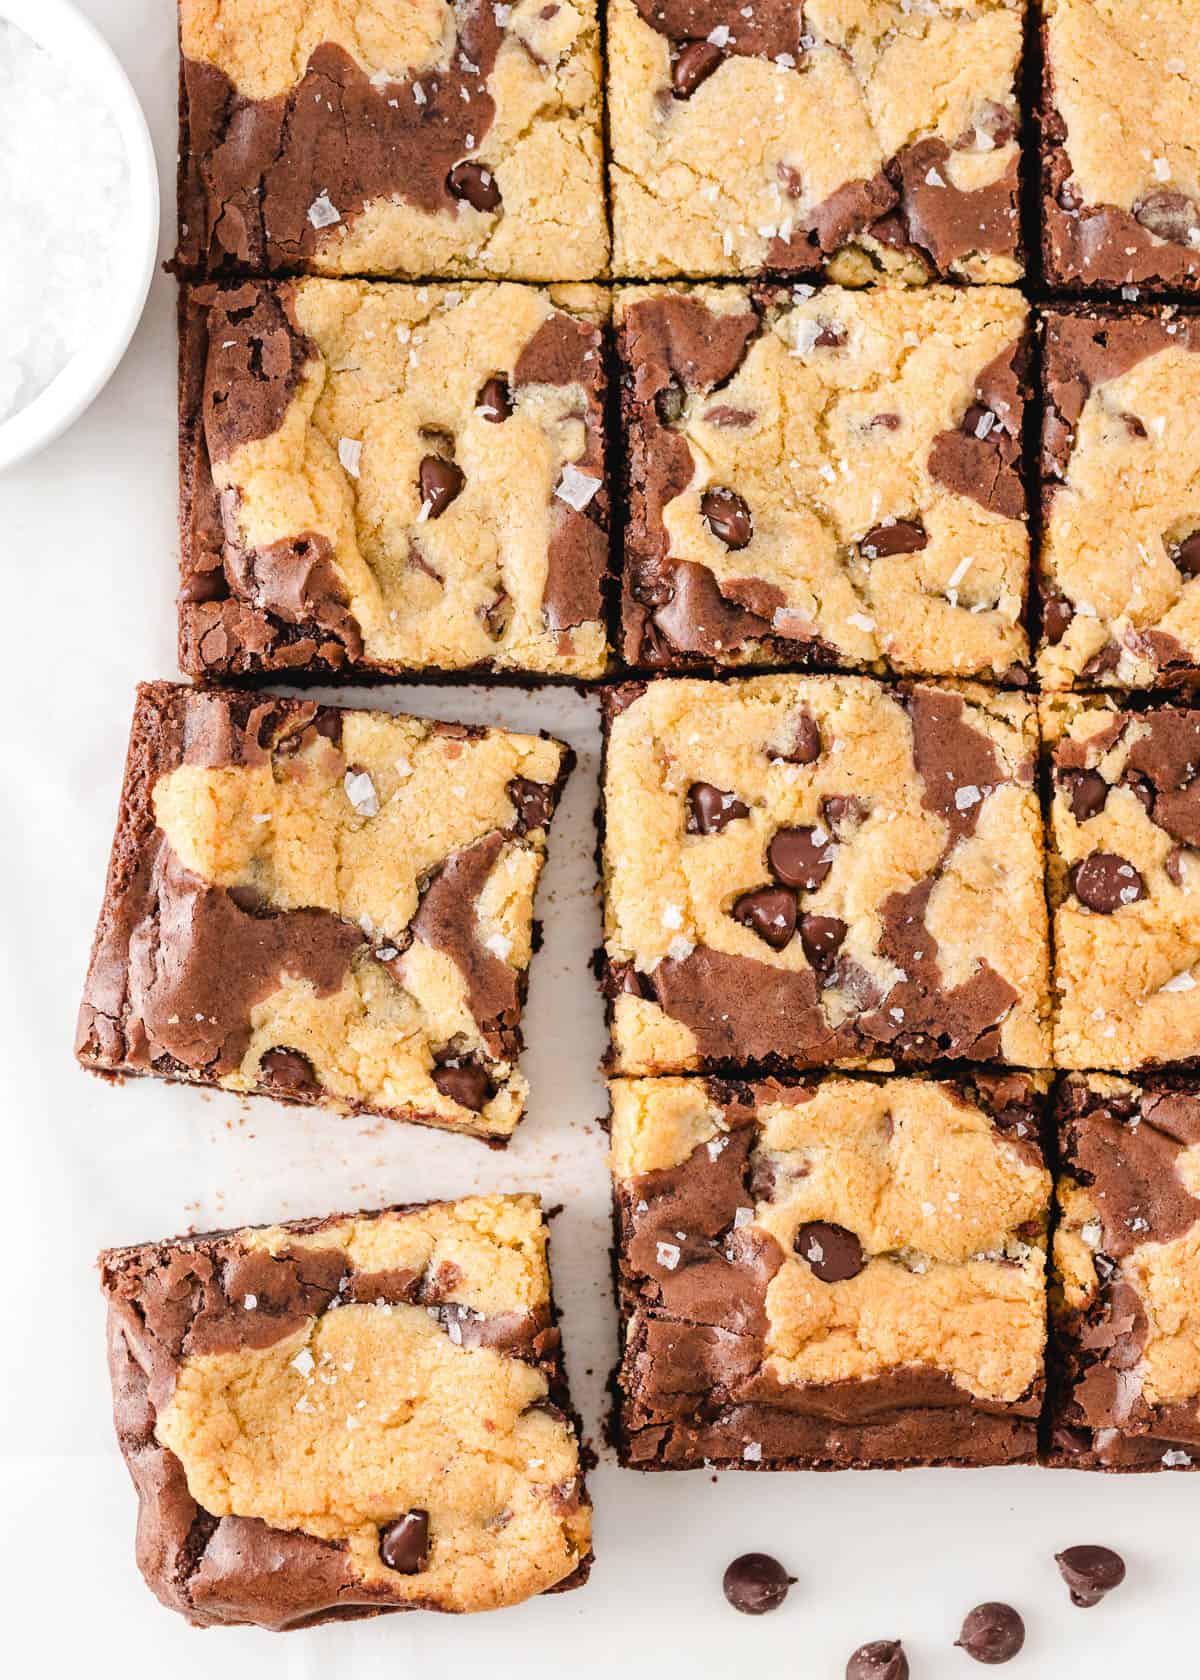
(258, 1378)
(835, 1274)
(1125, 1393)
(329, 907)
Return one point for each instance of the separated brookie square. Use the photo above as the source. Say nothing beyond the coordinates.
(330, 907)
(1125, 1283)
(380, 480)
(338, 1417)
(1120, 549)
(825, 478)
(876, 140)
(1124, 877)
(423, 138)
(1120, 144)
(806, 871)
(839, 1274)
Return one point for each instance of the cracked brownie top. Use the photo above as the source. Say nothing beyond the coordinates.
(1121, 143)
(1121, 473)
(341, 137)
(803, 870)
(826, 477)
(388, 478)
(858, 136)
(327, 906)
(1124, 873)
(1125, 1295)
(338, 1417)
(846, 1271)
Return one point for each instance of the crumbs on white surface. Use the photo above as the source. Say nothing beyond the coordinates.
(65, 203)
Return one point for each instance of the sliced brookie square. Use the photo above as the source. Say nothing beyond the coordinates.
(827, 478)
(1124, 876)
(1120, 148)
(802, 871)
(839, 1274)
(379, 479)
(1125, 1282)
(339, 1417)
(332, 907)
(451, 137)
(878, 139)
(1120, 550)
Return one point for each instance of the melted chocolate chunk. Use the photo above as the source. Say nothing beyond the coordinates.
(801, 857)
(805, 746)
(694, 64)
(440, 481)
(1057, 613)
(756, 1583)
(728, 517)
(882, 1659)
(288, 1071)
(770, 912)
(1087, 793)
(494, 401)
(1104, 881)
(1090, 1572)
(404, 1544)
(1186, 555)
(533, 802)
(464, 1082)
(992, 1633)
(834, 1254)
(710, 809)
(822, 937)
(475, 183)
(901, 536)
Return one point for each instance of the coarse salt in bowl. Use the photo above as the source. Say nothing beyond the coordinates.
(79, 218)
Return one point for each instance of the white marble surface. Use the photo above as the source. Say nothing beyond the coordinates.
(87, 543)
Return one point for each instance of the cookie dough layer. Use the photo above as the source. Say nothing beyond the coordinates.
(1120, 555)
(865, 138)
(1125, 1289)
(1121, 143)
(422, 138)
(379, 479)
(328, 907)
(1124, 875)
(825, 478)
(810, 870)
(335, 1418)
(838, 1274)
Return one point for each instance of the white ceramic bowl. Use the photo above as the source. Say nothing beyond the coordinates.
(71, 38)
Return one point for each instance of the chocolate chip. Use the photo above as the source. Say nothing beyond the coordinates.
(728, 517)
(494, 401)
(1057, 613)
(1134, 426)
(770, 912)
(902, 536)
(1090, 1572)
(534, 803)
(843, 809)
(992, 1633)
(622, 979)
(1168, 215)
(821, 937)
(1086, 791)
(1174, 864)
(201, 587)
(695, 63)
(440, 482)
(710, 809)
(806, 742)
(475, 183)
(756, 1583)
(1187, 555)
(834, 1253)
(404, 1544)
(801, 857)
(288, 1071)
(1141, 789)
(882, 1659)
(1105, 881)
(465, 1083)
